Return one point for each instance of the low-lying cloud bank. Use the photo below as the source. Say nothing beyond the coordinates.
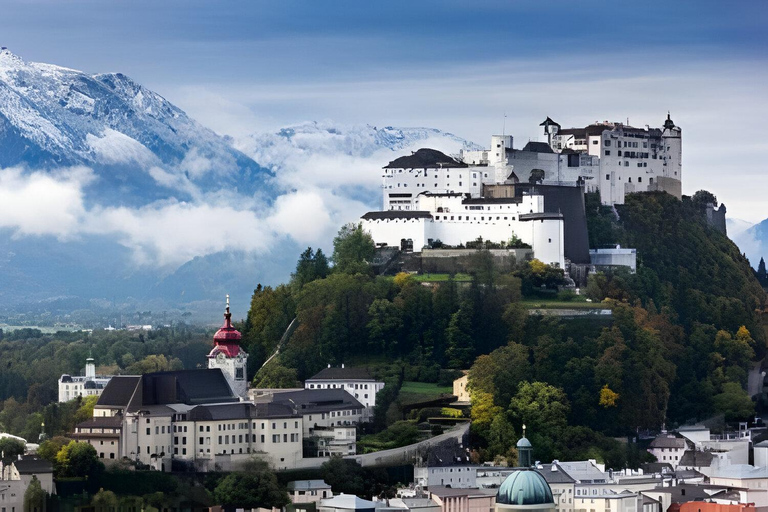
(325, 183)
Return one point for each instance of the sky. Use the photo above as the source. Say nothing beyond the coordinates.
(243, 67)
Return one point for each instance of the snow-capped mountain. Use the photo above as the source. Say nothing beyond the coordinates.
(52, 116)
(108, 190)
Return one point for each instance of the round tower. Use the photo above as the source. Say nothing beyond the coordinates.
(228, 356)
(524, 452)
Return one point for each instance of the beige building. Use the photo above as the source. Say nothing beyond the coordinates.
(460, 388)
(308, 491)
(103, 433)
(192, 419)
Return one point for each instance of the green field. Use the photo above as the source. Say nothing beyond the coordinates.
(424, 388)
(561, 304)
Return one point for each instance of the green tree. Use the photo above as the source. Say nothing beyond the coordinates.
(459, 335)
(542, 408)
(762, 274)
(250, 490)
(275, 375)
(104, 501)
(35, 497)
(78, 459)
(10, 449)
(344, 475)
(734, 402)
(50, 448)
(311, 265)
(353, 249)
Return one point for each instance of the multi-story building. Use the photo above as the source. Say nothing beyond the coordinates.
(669, 448)
(330, 417)
(630, 159)
(104, 434)
(358, 382)
(90, 384)
(16, 478)
(192, 417)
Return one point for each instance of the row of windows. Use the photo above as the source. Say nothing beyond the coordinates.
(400, 171)
(445, 217)
(629, 179)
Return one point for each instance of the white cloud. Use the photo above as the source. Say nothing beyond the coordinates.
(43, 204)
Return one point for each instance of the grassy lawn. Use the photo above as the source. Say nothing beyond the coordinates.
(560, 304)
(424, 388)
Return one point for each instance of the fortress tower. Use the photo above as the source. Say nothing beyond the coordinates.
(229, 356)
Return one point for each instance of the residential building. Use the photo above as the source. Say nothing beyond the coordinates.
(308, 491)
(104, 433)
(358, 382)
(460, 389)
(463, 500)
(346, 503)
(192, 418)
(668, 448)
(90, 384)
(17, 477)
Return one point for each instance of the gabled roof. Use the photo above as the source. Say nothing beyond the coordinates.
(584, 471)
(352, 373)
(241, 410)
(308, 401)
(189, 387)
(32, 465)
(549, 122)
(119, 391)
(666, 441)
(538, 147)
(554, 474)
(347, 501)
(425, 159)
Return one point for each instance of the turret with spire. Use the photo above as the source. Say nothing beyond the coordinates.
(228, 356)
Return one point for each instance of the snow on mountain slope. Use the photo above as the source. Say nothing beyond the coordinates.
(108, 189)
(53, 116)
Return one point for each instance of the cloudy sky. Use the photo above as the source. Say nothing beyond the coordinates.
(252, 66)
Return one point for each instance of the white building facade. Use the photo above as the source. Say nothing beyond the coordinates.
(358, 382)
(90, 384)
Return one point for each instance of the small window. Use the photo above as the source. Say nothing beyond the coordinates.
(594, 142)
(607, 152)
(608, 176)
(607, 143)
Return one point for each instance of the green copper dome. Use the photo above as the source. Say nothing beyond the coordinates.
(524, 487)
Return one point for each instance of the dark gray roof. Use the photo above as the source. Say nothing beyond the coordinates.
(308, 401)
(554, 474)
(102, 422)
(541, 216)
(668, 442)
(119, 391)
(447, 453)
(696, 459)
(656, 467)
(30, 465)
(683, 493)
(184, 386)
(398, 214)
(492, 200)
(424, 159)
(189, 387)
(548, 122)
(351, 373)
(239, 410)
(538, 147)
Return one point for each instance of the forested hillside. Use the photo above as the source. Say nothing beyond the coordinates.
(684, 333)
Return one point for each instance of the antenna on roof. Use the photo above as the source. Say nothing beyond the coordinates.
(504, 126)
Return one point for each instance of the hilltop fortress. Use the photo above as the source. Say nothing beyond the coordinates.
(532, 196)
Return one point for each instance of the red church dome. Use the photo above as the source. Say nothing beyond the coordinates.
(227, 338)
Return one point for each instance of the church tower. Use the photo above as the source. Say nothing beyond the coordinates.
(228, 355)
